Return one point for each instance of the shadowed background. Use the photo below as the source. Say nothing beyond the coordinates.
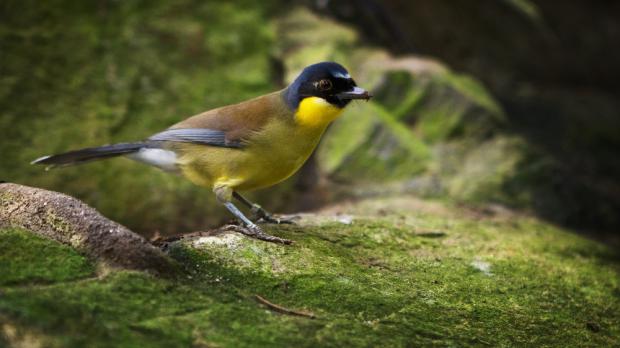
(488, 103)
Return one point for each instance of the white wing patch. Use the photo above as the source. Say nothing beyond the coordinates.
(163, 159)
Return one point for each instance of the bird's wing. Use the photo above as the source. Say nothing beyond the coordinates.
(228, 126)
(202, 136)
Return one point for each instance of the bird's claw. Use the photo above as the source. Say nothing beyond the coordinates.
(257, 233)
(270, 219)
(260, 215)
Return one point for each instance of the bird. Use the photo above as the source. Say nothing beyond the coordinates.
(254, 144)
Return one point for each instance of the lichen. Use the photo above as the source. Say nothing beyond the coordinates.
(58, 223)
(6, 197)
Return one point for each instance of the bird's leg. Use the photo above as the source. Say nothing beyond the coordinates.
(251, 229)
(261, 214)
(224, 195)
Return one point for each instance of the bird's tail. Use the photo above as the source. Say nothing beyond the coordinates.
(89, 154)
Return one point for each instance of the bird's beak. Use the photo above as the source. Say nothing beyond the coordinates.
(356, 93)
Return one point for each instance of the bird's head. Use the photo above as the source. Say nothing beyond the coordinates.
(321, 91)
(327, 80)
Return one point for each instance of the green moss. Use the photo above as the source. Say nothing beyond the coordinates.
(480, 174)
(475, 91)
(104, 312)
(398, 92)
(454, 106)
(337, 144)
(409, 102)
(528, 9)
(377, 283)
(441, 122)
(380, 148)
(28, 258)
(411, 277)
(305, 38)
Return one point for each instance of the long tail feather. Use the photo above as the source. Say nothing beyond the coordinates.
(89, 154)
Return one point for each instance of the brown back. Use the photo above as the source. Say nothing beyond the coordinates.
(239, 121)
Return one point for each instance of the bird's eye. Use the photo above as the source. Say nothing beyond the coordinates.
(325, 85)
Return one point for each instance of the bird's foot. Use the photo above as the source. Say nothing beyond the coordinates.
(278, 220)
(257, 233)
(260, 215)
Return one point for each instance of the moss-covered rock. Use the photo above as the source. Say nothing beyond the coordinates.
(368, 144)
(383, 272)
(479, 172)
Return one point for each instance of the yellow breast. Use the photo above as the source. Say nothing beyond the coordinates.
(316, 112)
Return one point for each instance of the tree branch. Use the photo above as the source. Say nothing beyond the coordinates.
(66, 219)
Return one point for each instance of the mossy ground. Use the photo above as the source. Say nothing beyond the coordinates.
(26, 259)
(409, 273)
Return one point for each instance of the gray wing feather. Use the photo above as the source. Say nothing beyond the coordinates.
(203, 136)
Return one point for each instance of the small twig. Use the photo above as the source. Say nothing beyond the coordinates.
(283, 310)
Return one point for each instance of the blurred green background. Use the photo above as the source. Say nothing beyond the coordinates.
(488, 103)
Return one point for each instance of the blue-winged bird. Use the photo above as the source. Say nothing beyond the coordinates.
(242, 147)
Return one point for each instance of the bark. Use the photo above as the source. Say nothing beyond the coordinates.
(68, 220)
